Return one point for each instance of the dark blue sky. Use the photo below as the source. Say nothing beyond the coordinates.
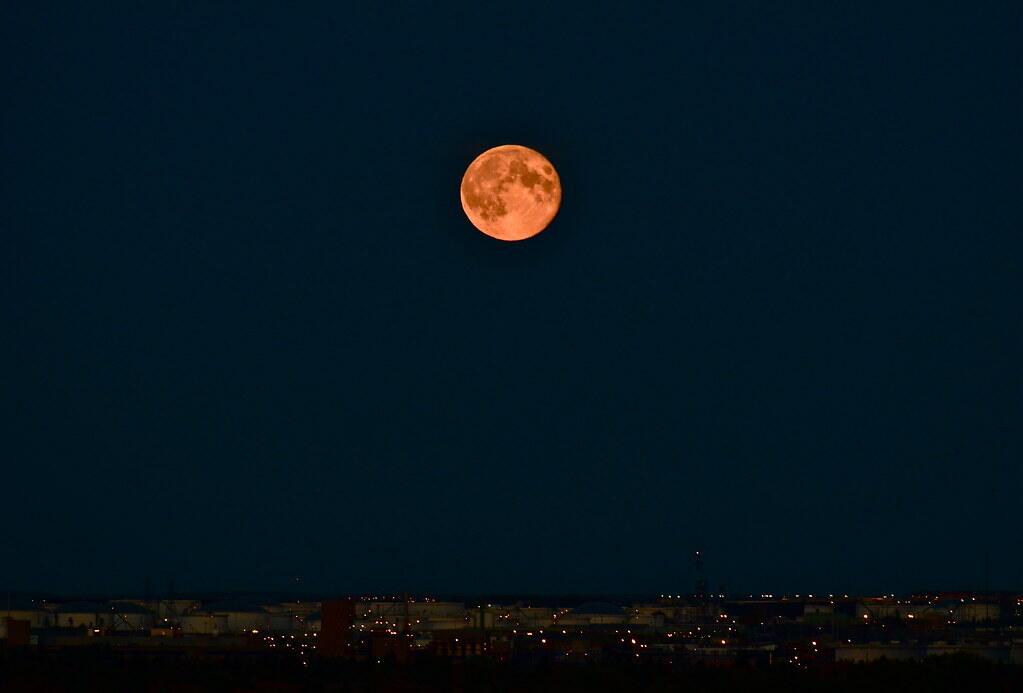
(251, 336)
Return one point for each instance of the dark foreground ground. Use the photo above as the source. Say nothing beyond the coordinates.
(80, 671)
(84, 672)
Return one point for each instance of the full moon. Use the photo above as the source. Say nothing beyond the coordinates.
(511, 192)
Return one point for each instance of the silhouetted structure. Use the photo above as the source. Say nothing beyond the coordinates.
(17, 632)
(335, 637)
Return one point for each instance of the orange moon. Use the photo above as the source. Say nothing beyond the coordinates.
(511, 192)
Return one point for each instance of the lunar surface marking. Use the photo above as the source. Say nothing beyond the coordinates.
(511, 192)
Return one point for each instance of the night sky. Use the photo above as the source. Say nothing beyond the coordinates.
(250, 335)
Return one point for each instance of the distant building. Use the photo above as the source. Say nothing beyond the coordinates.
(103, 616)
(427, 615)
(204, 624)
(336, 619)
(594, 613)
(27, 610)
(238, 617)
(954, 611)
(527, 617)
(875, 651)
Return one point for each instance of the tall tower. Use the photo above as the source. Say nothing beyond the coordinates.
(701, 579)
